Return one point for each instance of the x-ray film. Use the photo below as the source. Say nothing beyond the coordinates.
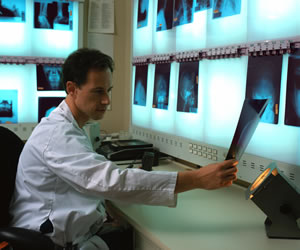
(161, 86)
(251, 113)
(8, 106)
(183, 12)
(12, 10)
(48, 77)
(140, 86)
(292, 107)
(203, 5)
(164, 19)
(187, 97)
(143, 9)
(263, 82)
(56, 15)
(47, 105)
(226, 8)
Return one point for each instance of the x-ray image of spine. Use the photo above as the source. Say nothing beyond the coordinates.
(203, 5)
(164, 15)
(12, 10)
(161, 86)
(51, 13)
(48, 77)
(187, 98)
(292, 108)
(140, 89)
(225, 8)
(183, 12)
(263, 82)
(142, 13)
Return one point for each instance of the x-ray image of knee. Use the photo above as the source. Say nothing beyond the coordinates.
(183, 12)
(48, 77)
(12, 10)
(187, 98)
(140, 87)
(292, 107)
(47, 105)
(142, 13)
(164, 15)
(203, 5)
(225, 8)
(55, 15)
(161, 86)
(8, 106)
(263, 82)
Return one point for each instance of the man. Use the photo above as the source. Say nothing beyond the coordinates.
(61, 182)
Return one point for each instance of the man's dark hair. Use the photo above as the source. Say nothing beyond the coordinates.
(80, 62)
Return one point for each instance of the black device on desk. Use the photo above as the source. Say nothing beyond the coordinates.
(121, 150)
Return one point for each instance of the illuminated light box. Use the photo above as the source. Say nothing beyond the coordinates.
(279, 199)
(142, 36)
(48, 77)
(224, 93)
(263, 82)
(164, 35)
(228, 30)
(163, 106)
(269, 19)
(55, 28)
(183, 12)
(292, 110)
(47, 105)
(189, 101)
(142, 95)
(8, 106)
(21, 78)
(193, 35)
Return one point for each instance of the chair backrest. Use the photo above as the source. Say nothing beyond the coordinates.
(11, 147)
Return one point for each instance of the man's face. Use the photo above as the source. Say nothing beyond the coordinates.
(91, 99)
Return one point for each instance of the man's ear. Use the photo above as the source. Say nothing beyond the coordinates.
(71, 88)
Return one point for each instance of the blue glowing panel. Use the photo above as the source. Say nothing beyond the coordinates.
(55, 15)
(187, 96)
(292, 110)
(164, 19)
(183, 12)
(225, 8)
(8, 106)
(48, 77)
(12, 11)
(142, 36)
(269, 19)
(163, 119)
(23, 79)
(224, 94)
(229, 30)
(143, 13)
(47, 105)
(161, 86)
(140, 87)
(203, 5)
(263, 82)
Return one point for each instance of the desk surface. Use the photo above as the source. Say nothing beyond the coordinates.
(220, 219)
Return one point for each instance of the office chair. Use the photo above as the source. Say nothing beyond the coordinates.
(18, 238)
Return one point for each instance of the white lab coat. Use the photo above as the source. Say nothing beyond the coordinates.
(62, 179)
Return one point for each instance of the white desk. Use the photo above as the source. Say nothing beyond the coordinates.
(221, 220)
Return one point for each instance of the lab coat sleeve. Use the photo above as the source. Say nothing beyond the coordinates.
(73, 160)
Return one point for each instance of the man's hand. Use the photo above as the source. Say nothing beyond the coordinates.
(210, 177)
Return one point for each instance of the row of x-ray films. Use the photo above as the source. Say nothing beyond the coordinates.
(263, 82)
(164, 26)
(38, 27)
(30, 100)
